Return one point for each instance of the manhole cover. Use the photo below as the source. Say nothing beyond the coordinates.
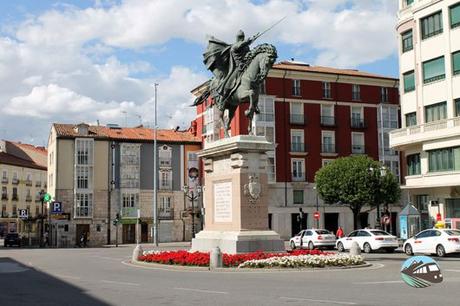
(11, 267)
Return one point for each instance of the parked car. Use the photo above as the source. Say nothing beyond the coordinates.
(434, 241)
(313, 238)
(368, 240)
(12, 239)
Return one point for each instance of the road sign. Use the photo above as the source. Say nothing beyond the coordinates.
(46, 197)
(23, 214)
(316, 215)
(56, 207)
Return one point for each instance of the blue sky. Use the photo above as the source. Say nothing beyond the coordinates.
(68, 61)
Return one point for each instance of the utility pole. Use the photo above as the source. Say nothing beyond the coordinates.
(155, 173)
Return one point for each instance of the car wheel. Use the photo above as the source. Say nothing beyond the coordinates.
(311, 246)
(292, 245)
(440, 251)
(367, 248)
(340, 247)
(408, 250)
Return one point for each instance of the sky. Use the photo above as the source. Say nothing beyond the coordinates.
(97, 60)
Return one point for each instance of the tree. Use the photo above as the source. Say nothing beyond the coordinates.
(356, 181)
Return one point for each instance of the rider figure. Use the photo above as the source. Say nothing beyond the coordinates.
(240, 49)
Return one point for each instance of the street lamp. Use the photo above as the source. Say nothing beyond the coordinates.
(317, 206)
(192, 196)
(155, 172)
(381, 175)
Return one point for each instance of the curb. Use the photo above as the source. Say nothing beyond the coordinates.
(267, 270)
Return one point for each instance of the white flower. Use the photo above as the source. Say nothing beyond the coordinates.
(304, 261)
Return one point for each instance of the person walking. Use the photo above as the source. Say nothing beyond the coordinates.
(339, 233)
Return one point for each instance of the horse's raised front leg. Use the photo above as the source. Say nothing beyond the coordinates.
(250, 111)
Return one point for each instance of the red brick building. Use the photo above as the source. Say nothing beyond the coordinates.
(314, 115)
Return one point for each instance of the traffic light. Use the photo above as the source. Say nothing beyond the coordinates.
(117, 219)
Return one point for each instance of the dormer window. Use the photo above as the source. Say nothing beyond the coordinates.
(81, 129)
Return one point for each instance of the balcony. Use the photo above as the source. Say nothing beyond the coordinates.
(129, 212)
(328, 121)
(298, 147)
(5, 214)
(15, 197)
(4, 180)
(15, 181)
(29, 198)
(298, 177)
(4, 197)
(164, 162)
(38, 184)
(28, 183)
(358, 123)
(166, 214)
(435, 130)
(358, 149)
(297, 119)
(328, 148)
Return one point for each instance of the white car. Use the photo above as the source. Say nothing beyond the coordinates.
(312, 238)
(434, 241)
(368, 240)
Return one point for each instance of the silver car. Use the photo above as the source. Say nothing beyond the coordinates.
(313, 238)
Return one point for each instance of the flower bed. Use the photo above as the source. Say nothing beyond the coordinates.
(304, 261)
(186, 258)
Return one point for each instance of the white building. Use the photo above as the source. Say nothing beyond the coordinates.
(429, 48)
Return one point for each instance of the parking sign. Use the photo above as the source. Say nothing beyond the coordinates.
(56, 207)
(23, 213)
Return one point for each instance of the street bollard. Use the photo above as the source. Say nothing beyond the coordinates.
(138, 251)
(355, 249)
(215, 258)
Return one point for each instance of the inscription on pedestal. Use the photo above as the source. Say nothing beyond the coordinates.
(223, 202)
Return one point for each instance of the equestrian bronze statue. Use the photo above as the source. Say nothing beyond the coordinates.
(238, 74)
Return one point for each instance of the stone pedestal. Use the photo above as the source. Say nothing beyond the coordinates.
(235, 197)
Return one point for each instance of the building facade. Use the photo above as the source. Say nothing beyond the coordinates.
(106, 173)
(429, 53)
(23, 176)
(313, 115)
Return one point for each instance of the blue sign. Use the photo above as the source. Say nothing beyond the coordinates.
(421, 272)
(403, 226)
(56, 207)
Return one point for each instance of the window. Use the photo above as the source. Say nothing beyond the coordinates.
(165, 156)
(328, 142)
(454, 11)
(297, 141)
(447, 159)
(421, 202)
(384, 94)
(267, 131)
(411, 119)
(14, 210)
(409, 2)
(327, 90)
(297, 113)
(263, 88)
(413, 164)
(298, 170)
(84, 151)
(165, 179)
(130, 200)
(457, 107)
(433, 70)
(389, 115)
(453, 210)
(407, 44)
(271, 170)
(327, 115)
(456, 63)
(165, 206)
(325, 162)
(435, 112)
(296, 87)
(357, 143)
(431, 25)
(298, 196)
(4, 193)
(357, 117)
(409, 81)
(267, 109)
(83, 178)
(83, 205)
(356, 92)
(15, 194)
(130, 154)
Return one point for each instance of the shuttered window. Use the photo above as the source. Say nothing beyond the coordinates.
(431, 25)
(433, 70)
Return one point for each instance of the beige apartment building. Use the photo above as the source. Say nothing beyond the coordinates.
(23, 176)
(101, 172)
(429, 53)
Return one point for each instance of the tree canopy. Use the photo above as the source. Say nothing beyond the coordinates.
(356, 181)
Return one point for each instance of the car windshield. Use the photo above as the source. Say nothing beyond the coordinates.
(322, 232)
(452, 232)
(380, 233)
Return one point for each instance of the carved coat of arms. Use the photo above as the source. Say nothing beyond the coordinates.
(253, 189)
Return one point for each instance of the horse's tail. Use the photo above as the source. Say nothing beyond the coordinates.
(201, 98)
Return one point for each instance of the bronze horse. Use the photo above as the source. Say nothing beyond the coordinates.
(246, 86)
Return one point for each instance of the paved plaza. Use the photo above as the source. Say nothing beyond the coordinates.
(103, 276)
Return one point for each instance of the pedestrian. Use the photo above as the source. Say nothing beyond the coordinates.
(45, 242)
(85, 239)
(339, 233)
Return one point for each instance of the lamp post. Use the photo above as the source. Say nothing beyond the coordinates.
(380, 174)
(317, 206)
(42, 200)
(192, 196)
(155, 172)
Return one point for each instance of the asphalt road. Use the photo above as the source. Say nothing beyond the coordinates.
(102, 276)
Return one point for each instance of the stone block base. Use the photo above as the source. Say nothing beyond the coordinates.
(233, 242)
